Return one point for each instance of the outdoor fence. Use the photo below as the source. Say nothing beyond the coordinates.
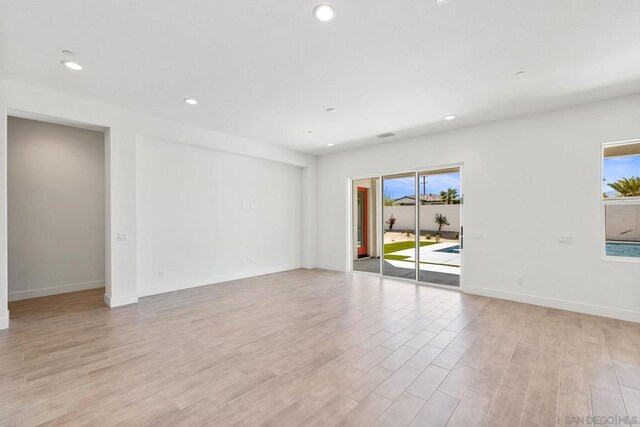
(405, 217)
(622, 223)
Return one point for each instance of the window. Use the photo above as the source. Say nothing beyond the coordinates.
(621, 200)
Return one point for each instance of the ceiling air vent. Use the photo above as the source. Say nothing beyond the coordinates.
(386, 135)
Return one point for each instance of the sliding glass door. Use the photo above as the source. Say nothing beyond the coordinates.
(419, 214)
(439, 226)
(399, 225)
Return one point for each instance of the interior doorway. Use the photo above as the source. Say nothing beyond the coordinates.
(419, 227)
(57, 211)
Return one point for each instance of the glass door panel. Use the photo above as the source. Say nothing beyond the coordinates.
(439, 226)
(399, 225)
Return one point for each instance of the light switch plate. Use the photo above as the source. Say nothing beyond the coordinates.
(565, 239)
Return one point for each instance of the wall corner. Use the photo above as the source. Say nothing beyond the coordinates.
(114, 302)
(4, 320)
(310, 215)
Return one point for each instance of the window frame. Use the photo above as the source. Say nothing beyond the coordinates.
(617, 201)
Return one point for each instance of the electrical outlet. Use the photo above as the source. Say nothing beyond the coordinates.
(161, 273)
(520, 281)
(122, 237)
(565, 239)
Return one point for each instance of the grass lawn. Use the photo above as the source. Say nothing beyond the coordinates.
(396, 257)
(399, 246)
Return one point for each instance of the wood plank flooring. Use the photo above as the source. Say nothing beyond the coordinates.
(313, 348)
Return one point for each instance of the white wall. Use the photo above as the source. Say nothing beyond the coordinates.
(56, 212)
(514, 170)
(205, 217)
(123, 128)
(405, 217)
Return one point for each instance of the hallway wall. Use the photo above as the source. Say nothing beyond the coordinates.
(56, 208)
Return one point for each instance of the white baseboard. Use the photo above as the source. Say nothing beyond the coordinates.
(332, 267)
(579, 307)
(4, 320)
(114, 302)
(54, 290)
(178, 286)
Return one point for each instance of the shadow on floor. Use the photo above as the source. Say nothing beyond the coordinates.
(369, 265)
(372, 265)
(52, 306)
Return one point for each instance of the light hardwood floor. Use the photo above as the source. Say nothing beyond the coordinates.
(313, 348)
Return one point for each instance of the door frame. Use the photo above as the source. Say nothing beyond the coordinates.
(379, 231)
(108, 217)
(365, 226)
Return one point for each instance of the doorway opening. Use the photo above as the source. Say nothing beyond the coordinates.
(419, 226)
(365, 253)
(362, 223)
(56, 209)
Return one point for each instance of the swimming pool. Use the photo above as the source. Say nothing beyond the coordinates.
(450, 250)
(623, 249)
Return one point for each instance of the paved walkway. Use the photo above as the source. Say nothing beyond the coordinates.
(430, 254)
(440, 275)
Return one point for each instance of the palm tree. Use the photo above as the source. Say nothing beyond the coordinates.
(449, 196)
(441, 220)
(627, 187)
(452, 194)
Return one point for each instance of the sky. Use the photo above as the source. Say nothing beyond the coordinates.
(619, 167)
(614, 169)
(398, 187)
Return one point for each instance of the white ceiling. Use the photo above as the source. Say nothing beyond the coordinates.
(268, 70)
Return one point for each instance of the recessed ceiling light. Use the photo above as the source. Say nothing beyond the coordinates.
(68, 52)
(72, 65)
(519, 73)
(441, 2)
(190, 101)
(449, 117)
(331, 110)
(331, 144)
(324, 12)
